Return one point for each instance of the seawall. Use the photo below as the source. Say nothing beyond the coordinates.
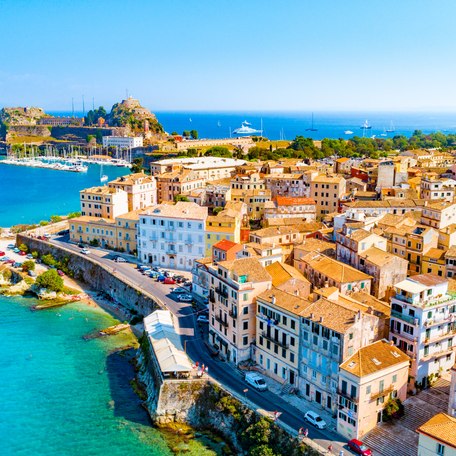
(97, 276)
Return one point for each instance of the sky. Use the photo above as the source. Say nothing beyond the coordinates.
(230, 55)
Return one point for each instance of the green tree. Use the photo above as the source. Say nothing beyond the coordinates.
(261, 450)
(74, 215)
(49, 260)
(35, 254)
(56, 218)
(28, 265)
(194, 134)
(50, 280)
(174, 133)
(218, 151)
(137, 165)
(180, 198)
(186, 133)
(23, 248)
(257, 433)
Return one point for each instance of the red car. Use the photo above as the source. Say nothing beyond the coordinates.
(21, 253)
(2, 253)
(359, 448)
(169, 281)
(60, 273)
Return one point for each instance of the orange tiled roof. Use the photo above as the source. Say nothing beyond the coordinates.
(293, 201)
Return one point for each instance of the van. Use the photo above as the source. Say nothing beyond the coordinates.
(256, 380)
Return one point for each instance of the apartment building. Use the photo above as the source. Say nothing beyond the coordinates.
(266, 254)
(277, 334)
(254, 199)
(439, 215)
(367, 380)
(127, 231)
(331, 331)
(450, 262)
(234, 287)
(140, 188)
(324, 271)
(390, 206)
(452, 399)
(291, 207)
(434, 262)
(225, 225)
(177, 182)
(423, 326)
(125, 142)
(172, 235)
(210, 196)
(309, 245)
(291, 185)
(437, 189)
(103, 202)
(437, 437)
(327, 191)
(289, 279)
(249, 181)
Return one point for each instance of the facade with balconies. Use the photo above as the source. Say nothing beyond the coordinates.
(233, 289)
(423, 325)
(367, 380)
(172, 235)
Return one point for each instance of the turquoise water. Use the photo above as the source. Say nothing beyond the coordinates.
(61, 395)
(33, 194)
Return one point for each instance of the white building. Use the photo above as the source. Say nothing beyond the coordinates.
(172, 235)
(123, 141)
(423, 325)
(437, 436)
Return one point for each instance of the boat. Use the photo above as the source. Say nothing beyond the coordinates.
(103, 177)
(348, 132)
(246, 130)
(312, 128)
(219, 124)
(366, 125)
(384, 132)
(391, 129)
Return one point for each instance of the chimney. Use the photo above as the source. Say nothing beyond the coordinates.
(296, 292)
(311, 316)
(273, 299)
(321, 319)
(391, 343)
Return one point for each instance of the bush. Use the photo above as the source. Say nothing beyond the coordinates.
(94, 243)
(23, 248)
(56, 218)
(50, 280)
(28, 265)
(49, 260)
(393, 409)
(35, 254)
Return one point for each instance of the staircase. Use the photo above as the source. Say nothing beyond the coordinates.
(386, 439)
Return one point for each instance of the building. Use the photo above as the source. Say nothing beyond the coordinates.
(291, 207)
(390, 206)
(127, 231)
(324, 271)
(140, 188)
(289, 279)
(309, 245)
(103, 202)
(437, 437)
(125, 142)
(331, 331)
(291, 185)
(327, 191)
(439, 215)
(225, 250)
(437, 189)
(277, 334)
(225, 225)
(234, 287)
(266, 254)
(434, 262)
(172, 235)
(385, 174)
(452, 399)
(255, 200)
(177, 182)
(367, 380)
(61, 121)
(249, 181)
(450, 260)
(423, 326)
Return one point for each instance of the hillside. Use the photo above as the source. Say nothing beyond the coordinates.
(130, 114)
(21, 116)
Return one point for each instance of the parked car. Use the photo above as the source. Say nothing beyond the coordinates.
(47, 236)
(161, 278)
(16, 250)
(29, 256)
(2, 254)
(22, 253)
(185, 298)
(146, 271)
(17, 264)
(63, 232)
(169, 281)
(153, 274)
(81, 245)
(10, 246)
(180, 290)
(9, 260)
(256, 380)
(60, 273)
(359, 448)
(202, 319)
(120, 259)
(315, 419)
(85, 251)
(31, 273)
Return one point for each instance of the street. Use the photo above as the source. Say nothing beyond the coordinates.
(193, 340)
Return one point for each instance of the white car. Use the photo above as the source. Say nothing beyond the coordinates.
(315, 419)
(256, 380)
(185, 298)
(120, 260)
(85, 251)
(202, 319)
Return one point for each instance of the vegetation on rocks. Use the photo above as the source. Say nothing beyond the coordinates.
(50, 280)
(28, 265)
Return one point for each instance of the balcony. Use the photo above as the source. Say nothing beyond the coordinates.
(383, 393)
(274, 340)
(439, 337)
(171, 252)
(408, 318)
(222, 293)
(233, 313)
(439, 321)
(438, 354)
(221, 321)
(347, 395)
(402, 298)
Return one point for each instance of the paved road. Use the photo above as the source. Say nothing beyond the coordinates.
(194, 336)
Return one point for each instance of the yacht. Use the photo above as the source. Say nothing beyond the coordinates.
(246, 130)
(366, 125)
(348, 132)
(391, 129)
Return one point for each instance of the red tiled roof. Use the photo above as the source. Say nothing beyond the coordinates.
(290, 201)
(225, 245)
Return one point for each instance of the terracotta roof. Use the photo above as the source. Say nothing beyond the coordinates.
(281, 272)
(435, 254)
(133, 179)
(292, 201)
(342, 160)
(336, 270)
(315, 245)
(451, 252)
(181, 210)
(428, 280)
(89, 219)
(102, 190)
(380, 257)
(359, 235)
(275, 231)
(374, 358)
(322, 179)
(287, 301)
(440, 427)
(249, 267)
(225, 245)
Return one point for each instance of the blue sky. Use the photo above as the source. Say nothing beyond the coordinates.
(230, 55)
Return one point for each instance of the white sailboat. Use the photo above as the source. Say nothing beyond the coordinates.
(391, 129)
(103, 177)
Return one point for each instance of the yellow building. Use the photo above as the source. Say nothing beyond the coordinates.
(434, 262)
(367, 380)
(326, 191)
(103, 202)
(255, 200)
(225, 225)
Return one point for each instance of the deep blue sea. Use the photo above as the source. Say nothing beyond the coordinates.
(287, 125)
(33, 194)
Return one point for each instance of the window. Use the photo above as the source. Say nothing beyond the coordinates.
(368, 389)
(245, 325)
(440, 449)
(245, 340)
(394, 378)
